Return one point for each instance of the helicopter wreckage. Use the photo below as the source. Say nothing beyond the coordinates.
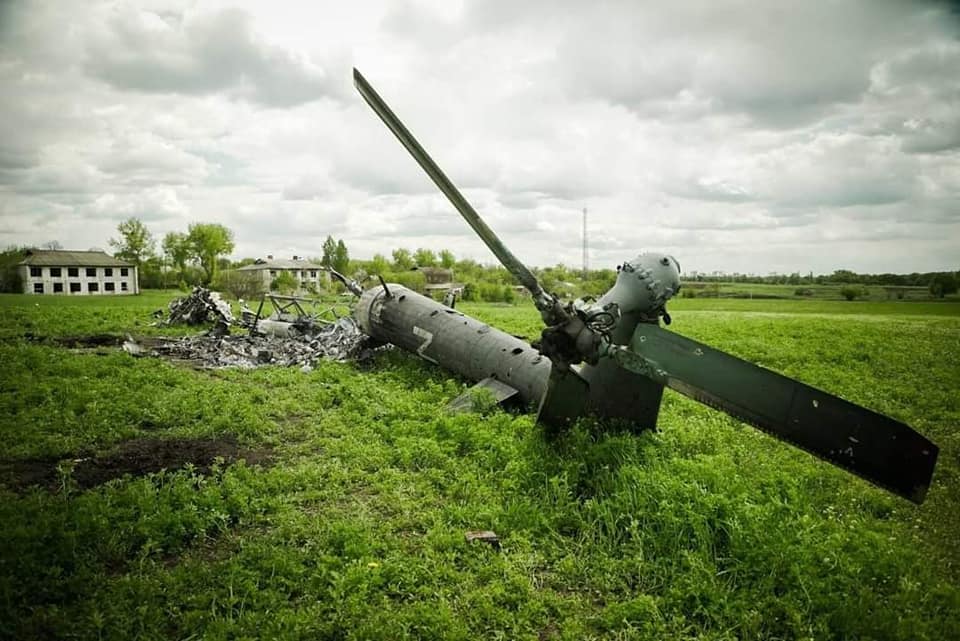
(610, 358)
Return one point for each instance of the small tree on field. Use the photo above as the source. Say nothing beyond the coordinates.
(208, 242)
(135, 243)
(853, 292)
(341, 259)
(402, 260)
(329, 252)
(424, 257)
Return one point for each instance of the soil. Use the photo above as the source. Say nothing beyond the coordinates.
(136, 457)
(93, 340)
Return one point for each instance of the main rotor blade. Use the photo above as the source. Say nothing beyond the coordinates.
(876, 447)
(513, 265)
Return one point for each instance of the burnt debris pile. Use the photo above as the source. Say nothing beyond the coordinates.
(200, 307)
(285, 339)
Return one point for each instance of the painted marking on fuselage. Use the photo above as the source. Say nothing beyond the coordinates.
(427, 339)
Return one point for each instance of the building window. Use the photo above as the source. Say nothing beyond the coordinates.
(91, 272)
(108, 287)
(108, 271)
(273, 272)
(313, 273)
(55, 272)
(74, 287)
(58, 288)
(123, 271)
(73, 272)
(38, 288)
(123, 286)
(36, 272)
(93, 287)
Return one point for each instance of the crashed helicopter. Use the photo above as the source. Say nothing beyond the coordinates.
(612, 358)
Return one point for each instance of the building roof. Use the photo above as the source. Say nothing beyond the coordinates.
(280, 263)
(59, 258)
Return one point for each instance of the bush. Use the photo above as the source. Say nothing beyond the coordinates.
(853, 292)
(284, 283)
(802, 291)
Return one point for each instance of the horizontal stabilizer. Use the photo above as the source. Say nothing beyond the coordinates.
(467, 401)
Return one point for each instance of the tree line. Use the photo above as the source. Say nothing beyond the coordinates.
(198, 256)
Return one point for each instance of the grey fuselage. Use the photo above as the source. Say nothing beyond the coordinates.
(476, 351)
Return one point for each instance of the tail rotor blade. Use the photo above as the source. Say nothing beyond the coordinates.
(877, 448)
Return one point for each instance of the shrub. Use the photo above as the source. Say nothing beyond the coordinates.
(853, 292)
(285, 283)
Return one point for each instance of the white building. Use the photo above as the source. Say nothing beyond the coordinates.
(46, 271)
(309, 276)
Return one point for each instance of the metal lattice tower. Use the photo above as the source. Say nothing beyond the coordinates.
(584, 243)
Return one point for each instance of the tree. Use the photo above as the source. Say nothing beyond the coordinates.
(176, 246)
(329, 252)
(379, 264)
(853, 292)
(402, 260)
(943, 284)
(135, 243)
(209, 241)
(447, 259)
(341, 259)
(241, 284)
(424, 257)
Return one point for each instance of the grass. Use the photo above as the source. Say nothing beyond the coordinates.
(706, 529)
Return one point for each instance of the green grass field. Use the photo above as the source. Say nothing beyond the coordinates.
(347, 518)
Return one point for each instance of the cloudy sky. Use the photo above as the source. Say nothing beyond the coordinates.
(739, 136)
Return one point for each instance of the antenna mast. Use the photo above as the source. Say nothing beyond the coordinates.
(585, 243)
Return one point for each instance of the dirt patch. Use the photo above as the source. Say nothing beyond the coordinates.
(93, 340)
(137, 457)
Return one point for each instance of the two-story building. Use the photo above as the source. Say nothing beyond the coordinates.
(309, 276)
(47, 271)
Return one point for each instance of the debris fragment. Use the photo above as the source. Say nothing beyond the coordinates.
(484, 535)
(201, 306)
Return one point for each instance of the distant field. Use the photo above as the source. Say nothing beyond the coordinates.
(695, 289)
(347, 519)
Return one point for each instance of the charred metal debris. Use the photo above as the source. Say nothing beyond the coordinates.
(298, 332)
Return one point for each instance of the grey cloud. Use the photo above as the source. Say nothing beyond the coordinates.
(932, 67)
(780, 67)
(928, 136)
(17, 158)
(211, 53)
